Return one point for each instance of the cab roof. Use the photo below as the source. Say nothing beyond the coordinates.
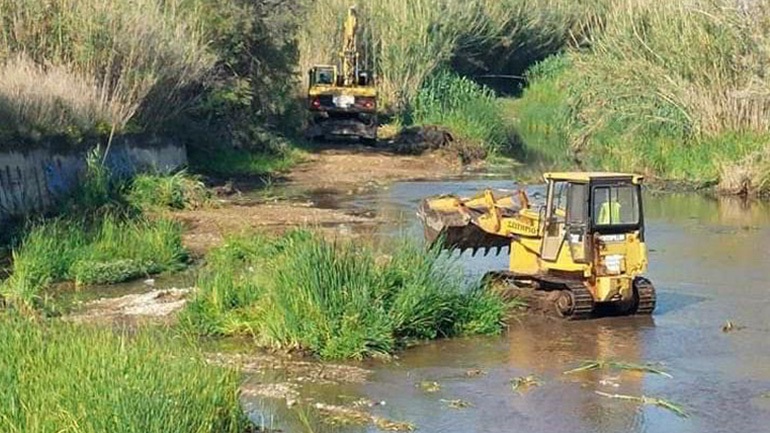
(586, 176)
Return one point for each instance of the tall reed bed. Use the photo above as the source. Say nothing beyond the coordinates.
(471, 111)
(338, 300)
(59, 377)
(675, 90)
(110, 250)
(75, 66)
(405, 41)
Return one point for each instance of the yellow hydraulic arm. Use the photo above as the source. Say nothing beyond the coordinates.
(349, 52)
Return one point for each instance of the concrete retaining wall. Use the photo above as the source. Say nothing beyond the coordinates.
(32, 180)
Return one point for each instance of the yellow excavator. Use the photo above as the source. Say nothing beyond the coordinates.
(342, 99)
(580, 254)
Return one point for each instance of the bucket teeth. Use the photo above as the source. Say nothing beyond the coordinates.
(499, 248)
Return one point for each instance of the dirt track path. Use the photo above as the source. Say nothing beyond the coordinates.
(333, 171)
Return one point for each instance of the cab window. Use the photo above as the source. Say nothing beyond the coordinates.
(578, 203)
(616, 205)
(324, 76)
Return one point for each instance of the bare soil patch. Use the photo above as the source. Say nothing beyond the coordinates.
(335, 171)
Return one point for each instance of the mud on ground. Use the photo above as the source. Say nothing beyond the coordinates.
(339, 171)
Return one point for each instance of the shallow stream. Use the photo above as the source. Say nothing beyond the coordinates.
(709, 261)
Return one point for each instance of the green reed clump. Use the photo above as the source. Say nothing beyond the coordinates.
(63, 377)
(108, 250)
(180, 190)
(541, 118)
(471, 111)
(683, 105)
(338, 300)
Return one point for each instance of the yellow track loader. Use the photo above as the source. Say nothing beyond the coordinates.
(580, 254)
(342, 99)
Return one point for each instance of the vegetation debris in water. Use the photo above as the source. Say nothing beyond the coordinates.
(457, 403)
(340, 415)
(729, 326)
(524, 383)
(675, 408)
(625, 366)
(429, 386)
(475, 372)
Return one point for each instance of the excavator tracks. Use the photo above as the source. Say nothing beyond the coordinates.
(581, 302)
(645, 293)
(568, 299)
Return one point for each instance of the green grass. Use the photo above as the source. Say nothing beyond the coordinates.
(235, 162)
(540, 116)
(58, 377)
(180, 190)
(550, 120)
(472, 112)
(109, 250)
(337, 300)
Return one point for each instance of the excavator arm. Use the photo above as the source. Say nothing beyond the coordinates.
(484, 221)
(349, 54)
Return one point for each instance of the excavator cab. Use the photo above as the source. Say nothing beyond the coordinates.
(584, 247)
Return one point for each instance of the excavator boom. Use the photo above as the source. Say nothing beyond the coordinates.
(349, 54)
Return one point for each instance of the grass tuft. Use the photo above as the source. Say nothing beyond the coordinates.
(180, 190)
(63, 377)
(472, 112)
(335, 299)
(110, 250)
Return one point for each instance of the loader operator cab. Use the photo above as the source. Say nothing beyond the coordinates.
(580, 205)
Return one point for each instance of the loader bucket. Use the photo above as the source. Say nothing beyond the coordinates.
(452, 225)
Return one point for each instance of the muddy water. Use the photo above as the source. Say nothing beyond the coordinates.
(709, 260)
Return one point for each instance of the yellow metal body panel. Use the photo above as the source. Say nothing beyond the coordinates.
(617, 263)
(525, 256)
(363, 91)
